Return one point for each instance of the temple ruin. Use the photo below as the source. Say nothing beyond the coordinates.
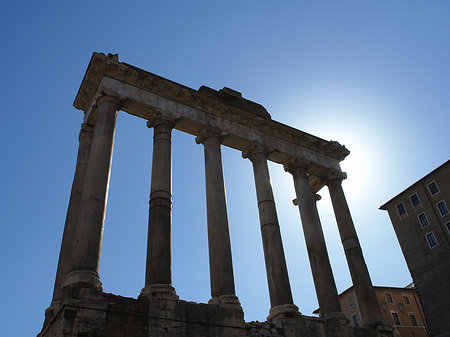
(79, 306)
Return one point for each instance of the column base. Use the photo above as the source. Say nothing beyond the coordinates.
(338, 317)
(165, 291)
(54, 306)
(83, 277)
(51, 311)
(226, 301)
(279, 311)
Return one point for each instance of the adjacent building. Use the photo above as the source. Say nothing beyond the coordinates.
(421, 219)
(399, 306)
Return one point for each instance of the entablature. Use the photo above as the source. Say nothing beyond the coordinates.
(244, 122)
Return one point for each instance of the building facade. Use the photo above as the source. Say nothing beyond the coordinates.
(421, 219)
(399, 306)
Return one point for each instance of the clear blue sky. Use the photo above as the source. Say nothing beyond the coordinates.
(373, 75)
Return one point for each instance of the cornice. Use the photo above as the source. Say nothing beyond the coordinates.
(226, 103)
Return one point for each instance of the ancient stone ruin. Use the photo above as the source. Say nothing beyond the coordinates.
(217, 118)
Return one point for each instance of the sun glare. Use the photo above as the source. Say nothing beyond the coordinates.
(350, 115)
(357, 166)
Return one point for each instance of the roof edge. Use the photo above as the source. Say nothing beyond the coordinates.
(384, 208)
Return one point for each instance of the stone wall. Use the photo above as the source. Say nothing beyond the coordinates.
(88, 313)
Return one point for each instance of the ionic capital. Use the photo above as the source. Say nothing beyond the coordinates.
(118, 101)
(254, 149)
(160, 118)
(210, 132)
(296, 163)
(332, 174)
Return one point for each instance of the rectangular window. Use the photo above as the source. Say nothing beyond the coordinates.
(389, 298)
(401, 210)
(448, 226)
(433, 188)
(406, 299)
(432, 242)
(442, 208)
(413, 319)
(415, 199)
(423, 220)
(355, 320)
(395, 318)
(350, 300)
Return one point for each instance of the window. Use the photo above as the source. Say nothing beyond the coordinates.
(401, 210)
(413, 319)
(395, 318)
(442, 208)
(406, 299)
(415, 199)
(423, 220)
(432, 242)
(389, 298)
(355, 320)
(350, 300)
(448, 226)
(433, 188)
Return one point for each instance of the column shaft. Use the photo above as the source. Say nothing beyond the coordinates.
(86, 249)
(276, 269)
(220, 260)
(326, 291)
(365, 294)
(70, 227)
(159, 246)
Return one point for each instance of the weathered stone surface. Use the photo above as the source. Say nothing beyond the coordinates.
(324, 283)
(93, 314)
(159, 253)
(235, 98)
(366, 298)
(70, 227)
(215, 117)
(145, 95)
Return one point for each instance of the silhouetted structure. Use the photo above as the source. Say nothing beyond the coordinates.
(216, 118)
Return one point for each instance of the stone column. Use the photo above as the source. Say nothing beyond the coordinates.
(327, 296)
(220, 260)
(277, 275)
(158, 276)
(85, 254)
(365, 294)
(70, 227)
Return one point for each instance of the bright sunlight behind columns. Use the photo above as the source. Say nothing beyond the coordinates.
(354, 116)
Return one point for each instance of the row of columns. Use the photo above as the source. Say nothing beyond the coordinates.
(80, 251)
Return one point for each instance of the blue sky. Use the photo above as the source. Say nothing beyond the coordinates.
(373, 75)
